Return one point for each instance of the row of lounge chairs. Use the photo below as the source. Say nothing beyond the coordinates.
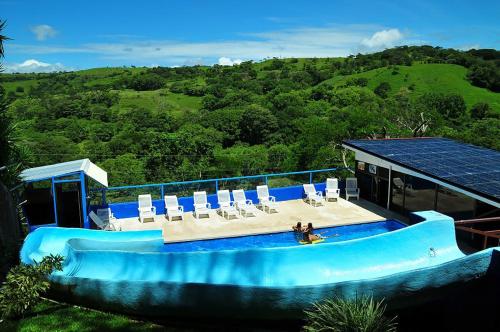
(241, 205)
(227, 208)
(332, 191)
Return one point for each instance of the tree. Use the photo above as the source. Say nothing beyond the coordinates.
(383, 89)
(257, 125)
(450, 106)
(485, 75)
(241, 160)
(126, 169)
(480, 111)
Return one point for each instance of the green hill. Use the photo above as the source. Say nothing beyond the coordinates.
(425, 78)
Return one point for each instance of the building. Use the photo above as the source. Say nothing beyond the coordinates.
(416, 174)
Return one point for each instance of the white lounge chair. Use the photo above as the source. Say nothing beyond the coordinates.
(172, 208)
(226, 206)
(243, 205)
(146, 208)
(105, 226)
(351, 188)
(106, 215)
(332, 190)
(265, 200)
(314, 197)
(201, 205)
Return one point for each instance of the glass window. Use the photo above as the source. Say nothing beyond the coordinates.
(365, 186)
(398, 190)
(420, 194)
(455, 204)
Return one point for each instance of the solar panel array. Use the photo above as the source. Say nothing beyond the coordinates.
(468, 166)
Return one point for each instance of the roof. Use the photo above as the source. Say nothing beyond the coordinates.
(465, 166)
(64, 169)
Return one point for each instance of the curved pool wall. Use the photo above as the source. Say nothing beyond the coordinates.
(118, 271)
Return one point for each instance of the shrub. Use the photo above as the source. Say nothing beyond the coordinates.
(383, 89)
(25, 284)
(339, 315)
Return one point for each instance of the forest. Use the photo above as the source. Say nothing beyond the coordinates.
(152, 125)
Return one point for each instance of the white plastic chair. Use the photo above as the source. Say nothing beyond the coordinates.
(146, 208)
(265, 200)
(105, 214)
(332, 190)
(243, 205)
(351, 188)
(172, 208)
(201, 205)
(313, 196)
(105, 226)
(226, 206)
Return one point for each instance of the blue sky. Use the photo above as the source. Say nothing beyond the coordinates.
(65, 35)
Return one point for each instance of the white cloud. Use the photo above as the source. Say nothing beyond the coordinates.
(223, 61)
(469, 47)
(35, 66)
(326, 41)
(43, 31)
(384, 38)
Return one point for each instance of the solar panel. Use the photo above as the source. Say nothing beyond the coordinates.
(467, 166)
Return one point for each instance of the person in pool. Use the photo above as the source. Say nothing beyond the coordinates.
(297, 230)
(308, 235)
(298, 227)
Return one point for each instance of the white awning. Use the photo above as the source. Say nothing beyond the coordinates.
(67, 168)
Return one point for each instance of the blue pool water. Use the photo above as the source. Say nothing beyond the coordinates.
(286, 239)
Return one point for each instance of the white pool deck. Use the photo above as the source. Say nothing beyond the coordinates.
(289, 213)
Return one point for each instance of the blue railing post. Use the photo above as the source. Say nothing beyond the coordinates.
(103, 196)
(310, 177)
(216, 185)
(86, 223)
(265, 179)
(54, 199)
(162, 191)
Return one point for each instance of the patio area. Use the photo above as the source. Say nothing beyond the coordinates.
(289, 213)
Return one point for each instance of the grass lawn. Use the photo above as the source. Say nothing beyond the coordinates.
(52, 316)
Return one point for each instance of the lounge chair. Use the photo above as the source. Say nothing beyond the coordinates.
(172, 208)
(146, 208)
(332, 190)
(313, 196)
(351, 188)
(226, 206)
(265, 200)
(201, 205)
(243, 205)
(106, 215)
(105, 226)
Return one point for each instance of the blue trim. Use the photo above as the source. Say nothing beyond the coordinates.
(54, 200)
(86, 223)
(67, 181)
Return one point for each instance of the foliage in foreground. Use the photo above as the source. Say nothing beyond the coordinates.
(25, 284)
(363, 314)
(53, 316)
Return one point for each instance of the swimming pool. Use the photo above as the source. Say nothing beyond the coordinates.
(286, 239)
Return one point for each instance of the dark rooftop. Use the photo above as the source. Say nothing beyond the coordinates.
(465, 166)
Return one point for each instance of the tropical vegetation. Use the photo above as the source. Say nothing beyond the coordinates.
(170, 124)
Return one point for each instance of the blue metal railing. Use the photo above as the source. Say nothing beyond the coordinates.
(216, 181)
